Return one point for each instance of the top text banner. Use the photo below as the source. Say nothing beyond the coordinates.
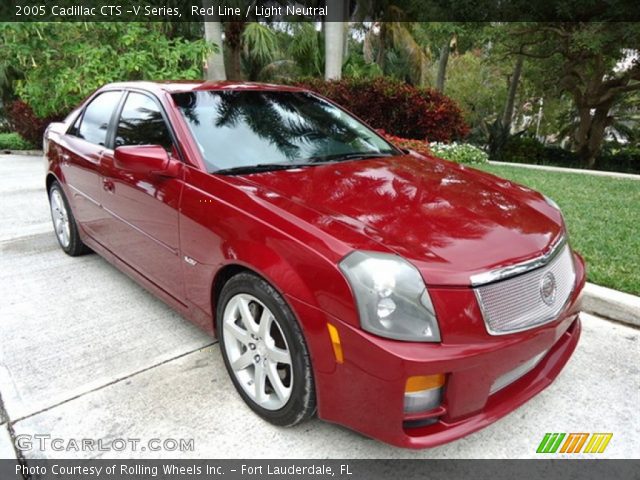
(319, 10)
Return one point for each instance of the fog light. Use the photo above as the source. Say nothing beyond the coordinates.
(423, 393)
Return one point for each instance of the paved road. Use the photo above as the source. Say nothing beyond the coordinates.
(87, 353)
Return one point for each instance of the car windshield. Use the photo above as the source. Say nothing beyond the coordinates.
(237, 130)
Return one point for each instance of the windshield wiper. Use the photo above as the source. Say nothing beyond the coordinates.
(261, 167)
(339, 157)
(267, 167)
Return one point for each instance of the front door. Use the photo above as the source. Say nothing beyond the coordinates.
(143, 208)
(82, 148)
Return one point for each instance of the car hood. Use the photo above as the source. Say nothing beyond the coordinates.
(451, 221)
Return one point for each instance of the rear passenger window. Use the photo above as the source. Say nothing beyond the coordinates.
(141, 123)
(96, 118)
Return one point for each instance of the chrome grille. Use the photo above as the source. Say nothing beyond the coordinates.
(519, 303)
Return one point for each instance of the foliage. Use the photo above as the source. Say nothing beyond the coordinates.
(396, 107)
(306, 48)
(13, 141)
(619, 159)
(478, 85)
(455, 152)
(602, 225)
(407, 143)
(357, 67)
(459, 153)
(260, 48)
(613, 157)
(25, 123)
(522, 149)
(584, 60)
(61, 63)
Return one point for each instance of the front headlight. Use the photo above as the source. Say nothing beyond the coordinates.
(391, 297)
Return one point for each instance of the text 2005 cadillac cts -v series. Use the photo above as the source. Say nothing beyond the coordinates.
(406, 297)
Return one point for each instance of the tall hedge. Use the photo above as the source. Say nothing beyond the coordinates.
(396, 107)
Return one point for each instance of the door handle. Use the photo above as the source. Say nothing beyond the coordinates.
(65, 158)
(108, 185)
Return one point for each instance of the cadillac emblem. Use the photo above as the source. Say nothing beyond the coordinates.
(548, 288)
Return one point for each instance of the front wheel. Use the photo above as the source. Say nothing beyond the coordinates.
(64, 223)
(264, 351)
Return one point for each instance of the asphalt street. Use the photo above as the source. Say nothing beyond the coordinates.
(86, 353)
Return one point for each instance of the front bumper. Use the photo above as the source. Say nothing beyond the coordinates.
(366, 392)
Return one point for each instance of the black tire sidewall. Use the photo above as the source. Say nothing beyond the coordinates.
(301, 404)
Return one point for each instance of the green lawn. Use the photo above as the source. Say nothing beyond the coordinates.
(603, 219)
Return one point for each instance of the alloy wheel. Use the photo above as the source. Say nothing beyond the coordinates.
(257, 351)
(60, 218)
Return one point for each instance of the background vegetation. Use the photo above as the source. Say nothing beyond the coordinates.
(549, 93)
(563, 94)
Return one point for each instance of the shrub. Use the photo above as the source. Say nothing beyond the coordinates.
(415, 145)
(13, 141)
(522, 149)
(455, 152)
(614, 158)
(459, 153)
(619, 159)
(24, 122)
(396, 107)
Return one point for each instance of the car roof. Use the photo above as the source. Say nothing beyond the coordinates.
(177, 86)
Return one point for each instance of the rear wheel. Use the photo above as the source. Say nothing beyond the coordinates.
(264, 351)
(64, 223)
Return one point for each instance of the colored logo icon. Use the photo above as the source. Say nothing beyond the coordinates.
(574, 443)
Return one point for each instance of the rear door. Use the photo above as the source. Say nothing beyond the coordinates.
(143, 208)
(82, 148)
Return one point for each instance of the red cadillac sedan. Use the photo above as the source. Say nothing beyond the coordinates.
(406, 297)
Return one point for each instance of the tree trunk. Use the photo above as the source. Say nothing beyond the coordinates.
(382, 50)
(442, 66)
(213, 34)
(507, 115)
(345, 42)
(333, 43)
(233, 41)
(234, 62)
(590, 133)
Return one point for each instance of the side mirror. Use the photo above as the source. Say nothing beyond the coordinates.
(149, 159)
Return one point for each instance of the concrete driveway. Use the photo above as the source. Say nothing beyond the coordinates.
(85, 353)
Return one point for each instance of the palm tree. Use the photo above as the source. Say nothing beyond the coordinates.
(213, 35)
(334, 41)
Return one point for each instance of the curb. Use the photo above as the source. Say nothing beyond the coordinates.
(600, 173)
(26, 153)
(611, 304)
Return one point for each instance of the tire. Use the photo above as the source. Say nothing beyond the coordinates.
(64, 223)
(256, 358)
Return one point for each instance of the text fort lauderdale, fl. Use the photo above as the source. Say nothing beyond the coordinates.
(259, 10)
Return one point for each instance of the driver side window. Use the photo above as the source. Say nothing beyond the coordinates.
(92, 126)
(141, 123)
